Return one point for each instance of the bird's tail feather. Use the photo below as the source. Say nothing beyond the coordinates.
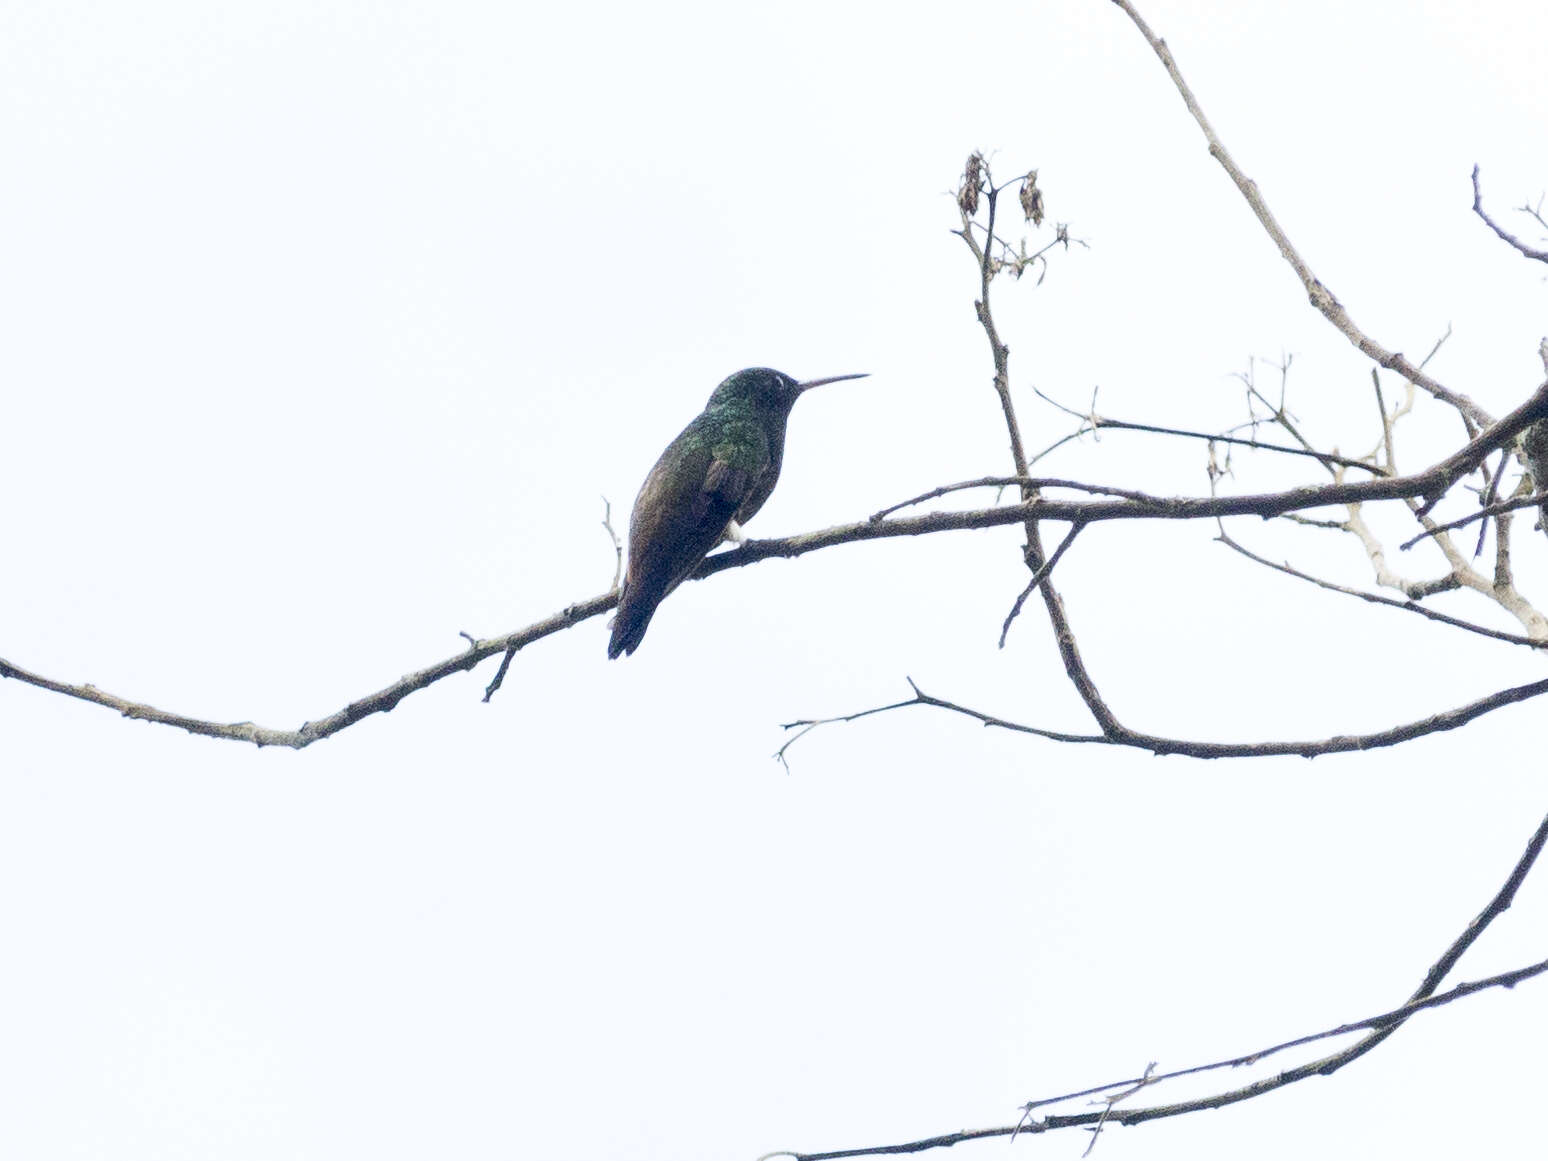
(629, 625)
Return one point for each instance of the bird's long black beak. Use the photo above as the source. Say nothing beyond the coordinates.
(810, 383)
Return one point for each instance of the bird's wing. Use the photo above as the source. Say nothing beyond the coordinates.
(725, 487)
(737, 460)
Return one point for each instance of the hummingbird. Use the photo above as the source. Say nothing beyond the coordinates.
(710, 481)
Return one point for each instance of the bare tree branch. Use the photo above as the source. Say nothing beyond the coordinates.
(1094, 422)
(1321, 297)
(380, 702)
(1483, 513)
(1384, 1024)
(1115, 733)
(1509, 239)
(1132, 506)
(1444, 584)
(1034, 482)
(1381, 1026)
(1494, 436)
(1038, 578)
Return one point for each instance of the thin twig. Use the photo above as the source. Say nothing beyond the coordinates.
(1034, 482)
(607, 523)
(1482, 514)
(1109, 1102)
(805, 726)
(1386, 421)
(1101, 423)
(1510, 239)
(1038, 578)
(498, 679)
(1426, 588)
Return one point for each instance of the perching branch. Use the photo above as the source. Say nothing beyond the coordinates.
(382, 701)
(1129, 505)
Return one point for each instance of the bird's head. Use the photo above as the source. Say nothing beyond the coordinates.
(766, 388)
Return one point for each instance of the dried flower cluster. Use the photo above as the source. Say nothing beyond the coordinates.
(1032, 199)
(972, 182)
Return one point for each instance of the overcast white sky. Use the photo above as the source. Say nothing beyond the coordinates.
(326, 328)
